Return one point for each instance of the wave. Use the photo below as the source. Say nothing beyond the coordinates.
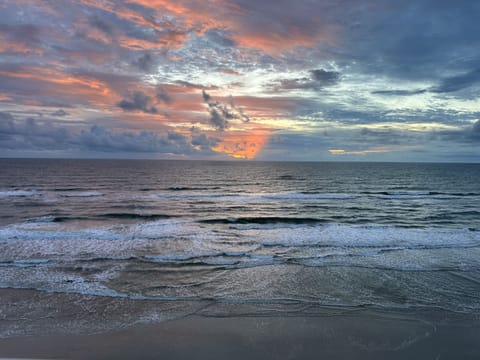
(22, 263)
(63, 189)
(254, 197)
(248, 242)
(264, 220)
(286, 177)
(310, 195)
(370, 236)
(135, 216)
(18, 193)
(420, 193)
(214, 258)
(126, 216)
(189, 188)
(82, 194)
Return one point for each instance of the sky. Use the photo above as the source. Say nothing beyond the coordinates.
(312, 80)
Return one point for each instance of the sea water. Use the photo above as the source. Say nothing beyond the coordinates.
(381, 235)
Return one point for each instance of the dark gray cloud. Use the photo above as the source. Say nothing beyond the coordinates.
(30, 134)
(446, 85)
(220, 38)
(7, 126)
(469, 135)
(146, 62)
(222, 114)
(399, 92)
(317, 80)
(163, 96)
(102, 25)
(5, 117)
(323, 77)
(204, 141)
(412, 40)
(457, 83)
(476, 128)
(28, 34)
(60, 112)
(474, 132)
(138, 102)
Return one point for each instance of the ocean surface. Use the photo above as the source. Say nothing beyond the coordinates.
(380, 235)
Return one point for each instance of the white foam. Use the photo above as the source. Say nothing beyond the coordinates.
(18, 193)
(82, 194)
(49, 279)
(169, 258)
(309, 196)
(161, 228)
(42, 219)
(59, 241)
(408, 193)
(219, 261)
(30, 262)
(367, 236)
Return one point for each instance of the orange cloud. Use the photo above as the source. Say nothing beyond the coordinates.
(4, 97)
(243, 145)
(275, 43)
(169, 40)
(196, 16)
(53, 82)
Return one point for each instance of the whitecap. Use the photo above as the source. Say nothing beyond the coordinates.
(18, 193)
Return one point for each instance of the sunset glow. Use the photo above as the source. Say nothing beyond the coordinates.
(246, 146)
(224, 75)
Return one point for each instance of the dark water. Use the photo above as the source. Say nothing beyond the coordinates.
(344, 234)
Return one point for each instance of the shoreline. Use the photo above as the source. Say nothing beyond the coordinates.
(219, 331)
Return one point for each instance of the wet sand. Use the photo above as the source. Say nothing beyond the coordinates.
(326, 333)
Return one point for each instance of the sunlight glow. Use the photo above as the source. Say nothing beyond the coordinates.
(246, 146)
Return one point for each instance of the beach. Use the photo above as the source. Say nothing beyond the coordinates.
(209, 333)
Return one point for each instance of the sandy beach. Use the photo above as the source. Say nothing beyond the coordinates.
(208, 333)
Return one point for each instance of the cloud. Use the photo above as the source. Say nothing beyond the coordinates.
(26, 34)
(190, 85)
(5, 116)
(325, 78)
(358, 54)
(457, 83)
(446, 85)
(317, 79)
(138, 102)
(204, 141)
(476, 127)
(60, 112)
(222, 114)
(163, 95)
(474, 132)
(399, 92)
(146, 62)
(102, 25)
(7, 125)
(220, 38)
(30, 134)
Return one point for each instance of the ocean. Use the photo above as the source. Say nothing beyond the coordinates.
(194, 236)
